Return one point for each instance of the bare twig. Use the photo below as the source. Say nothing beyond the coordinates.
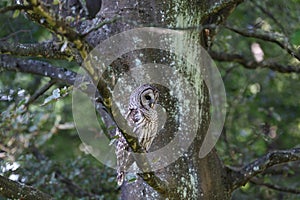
(276, 38)
(252, 64)
(103, 23)
(40, 92)
(275, 187)
(14, 7)
(223, 4)
(14, 34)
(269, 14)
(73, 188)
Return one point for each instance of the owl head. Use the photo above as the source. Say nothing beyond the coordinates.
(144, 97)
(149, 97)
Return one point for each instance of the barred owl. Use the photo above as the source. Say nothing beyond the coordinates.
(142, 116)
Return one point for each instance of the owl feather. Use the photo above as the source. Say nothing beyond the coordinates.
(142, 116)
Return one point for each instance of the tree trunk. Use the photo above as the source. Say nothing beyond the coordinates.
(189, 177)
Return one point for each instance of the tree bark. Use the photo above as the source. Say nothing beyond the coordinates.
(189, 177)
(15, 190)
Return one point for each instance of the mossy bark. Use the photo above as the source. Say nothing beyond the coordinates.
(189, 177)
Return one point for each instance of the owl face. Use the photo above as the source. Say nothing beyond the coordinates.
(142, 104)
(149, 98)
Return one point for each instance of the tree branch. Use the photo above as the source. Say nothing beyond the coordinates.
(45, 69)
(47, 17)
(50, 49)
(276, 38)
(252, 64)
(214, 9)
(275, 187)
(14, 7)
(73, 188)
(269, 14)
(14, 190)
(241, 176)
(40, 92)
(37, 67)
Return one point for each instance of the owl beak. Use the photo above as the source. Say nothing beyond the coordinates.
(151, 104)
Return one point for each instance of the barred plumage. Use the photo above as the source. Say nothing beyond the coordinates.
(142, 116)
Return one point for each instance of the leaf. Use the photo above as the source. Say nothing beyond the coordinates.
(132, 179)
(111, 128)
(113, 140)
(22, 102)
(55, 2)
(295, 38)
(16, 14)
(55, 95)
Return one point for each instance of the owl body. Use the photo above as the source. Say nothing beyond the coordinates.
(142, 116)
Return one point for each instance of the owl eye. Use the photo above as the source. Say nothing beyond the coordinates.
(148, 97)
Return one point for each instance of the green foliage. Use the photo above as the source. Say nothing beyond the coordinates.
(295, 38)
(24, 129)
(59, 158)
(15, 27)
(77, 177)
(263, 112)
(263, 105)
